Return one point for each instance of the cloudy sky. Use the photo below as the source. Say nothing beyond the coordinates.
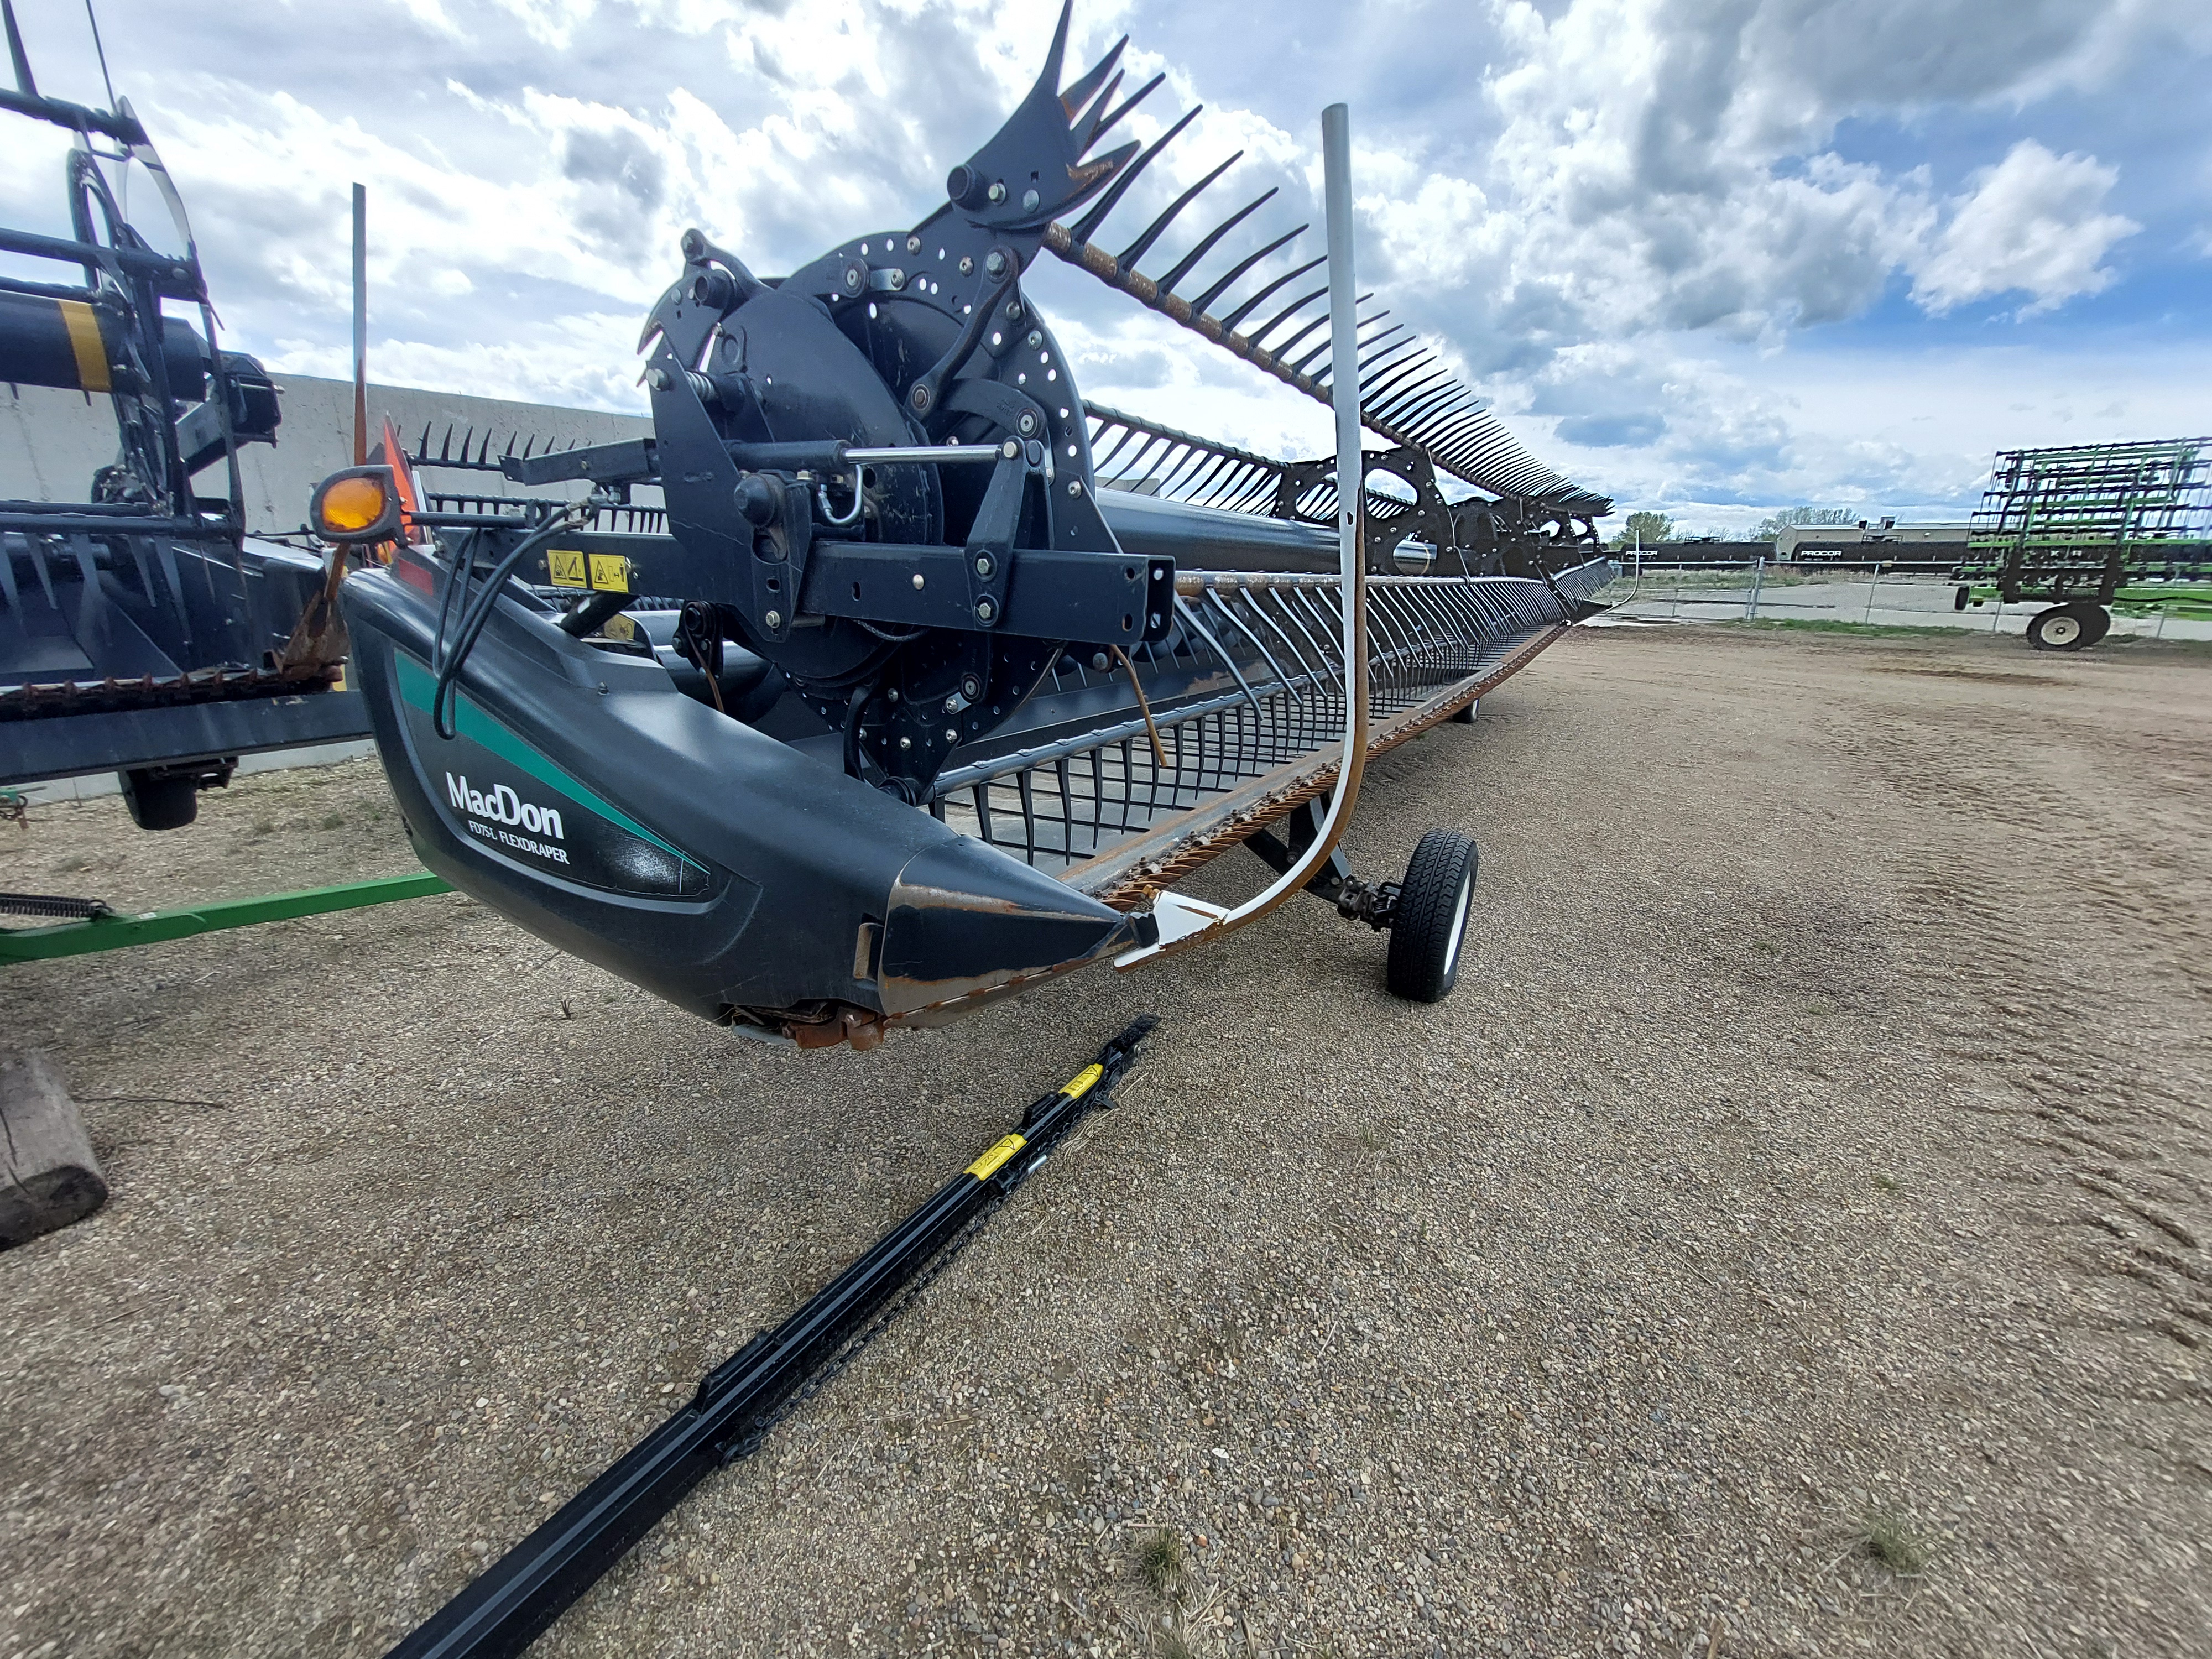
(1709, 256)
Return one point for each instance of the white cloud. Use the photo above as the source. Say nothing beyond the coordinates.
(2033, 224)
(1622, 216)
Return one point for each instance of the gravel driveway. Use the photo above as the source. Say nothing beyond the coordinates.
(1791, 1239)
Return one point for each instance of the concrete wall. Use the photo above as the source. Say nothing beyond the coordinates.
(51, 442)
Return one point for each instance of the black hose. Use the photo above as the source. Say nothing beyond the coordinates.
(447, 659)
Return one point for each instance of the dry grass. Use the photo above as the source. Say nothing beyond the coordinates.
(1888, 1536)
(1158, 1561)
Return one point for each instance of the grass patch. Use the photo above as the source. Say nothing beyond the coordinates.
(1888, 1537)
(1173, 1646)
(1884, 1183)
(331, 821)
(1158, 1562)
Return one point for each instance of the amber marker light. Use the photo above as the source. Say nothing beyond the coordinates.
(357, 505)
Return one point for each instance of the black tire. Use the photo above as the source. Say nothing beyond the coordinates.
(1959, 598)
(1464, 716)
(2073, 627)
(1433, 905)
(160, 803)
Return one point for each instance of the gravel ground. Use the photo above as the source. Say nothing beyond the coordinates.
(1791, 1239)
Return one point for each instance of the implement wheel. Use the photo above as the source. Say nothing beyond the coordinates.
(1430, 924)
(2073, 627)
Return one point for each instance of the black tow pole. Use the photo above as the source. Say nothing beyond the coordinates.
(510, 1605)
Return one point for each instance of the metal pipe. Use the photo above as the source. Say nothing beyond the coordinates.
(1189, 921)
(361, 328)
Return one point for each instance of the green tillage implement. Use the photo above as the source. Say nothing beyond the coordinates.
(110, 931)
(2188, 601)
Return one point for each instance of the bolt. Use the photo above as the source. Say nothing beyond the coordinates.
(952, 734)
(1028, 201)
(1098, 662)
(914, 244)
(967, 263)
(995, 263)
(657, 379)
(1075, 486)
(970, 686)
(1037, 337)
(953, 703)
(919, 398)
(851, 279)
(984, 567)
(1013, 311)
(892, 696)
(1028, 424)
(773, 619)
(998, 191)
(897, 279)
(918, 580)
(1009, 449)
(985, 610)
(906, 743)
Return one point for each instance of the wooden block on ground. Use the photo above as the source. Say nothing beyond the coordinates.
(48, 1176)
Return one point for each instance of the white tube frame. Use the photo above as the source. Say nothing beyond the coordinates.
(1185, 922)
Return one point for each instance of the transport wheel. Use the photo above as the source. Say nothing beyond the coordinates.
(2069, 627)
(160, 803)
(1431, 920)
(1465, 716)
(1959, 598)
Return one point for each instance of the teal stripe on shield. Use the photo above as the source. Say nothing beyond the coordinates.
(419, 688)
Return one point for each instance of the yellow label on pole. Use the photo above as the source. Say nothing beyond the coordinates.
(566, 566)
(988, 1165)
(1083, 1082)
(610, 573)
(84, 326)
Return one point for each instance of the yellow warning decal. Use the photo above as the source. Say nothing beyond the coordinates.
(618, 628)
(988, 1165)
(610, 572)
(1083, 1082)
(566, 566)
(84, 341)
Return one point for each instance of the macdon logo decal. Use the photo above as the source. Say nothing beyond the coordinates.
(501, 805)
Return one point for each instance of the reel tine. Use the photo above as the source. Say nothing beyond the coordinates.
(1073, 101)
(1285, 314)
(1292, 343)
(1427, 403)
(1128, 176)
(1238, 315)
(1048, 76)
(1409, 344)
(1134, 99)
(1398, 390)
(1129, 257)
(1098, 113)
(1200, 304)
(1206, 243)
(1283, 349)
